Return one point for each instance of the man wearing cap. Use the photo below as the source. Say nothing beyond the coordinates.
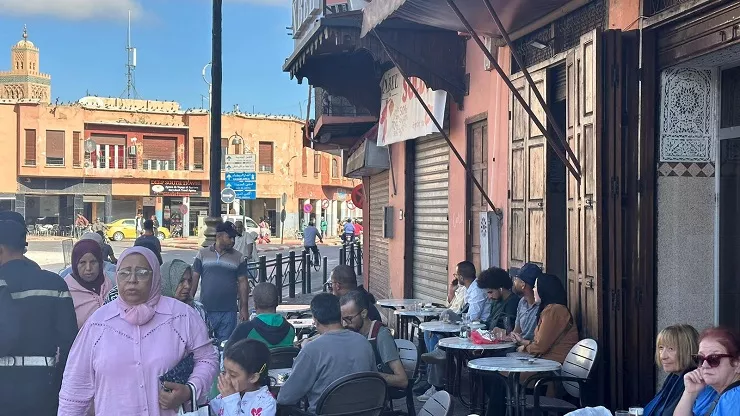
(526, 313)
(38, 326)
(224, 274)
(109, 269)
(151, 240)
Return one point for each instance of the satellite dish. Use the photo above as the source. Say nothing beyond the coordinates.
(90, 145)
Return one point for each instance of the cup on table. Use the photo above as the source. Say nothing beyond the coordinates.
(621, 413)
(445, 317)
(636, 411)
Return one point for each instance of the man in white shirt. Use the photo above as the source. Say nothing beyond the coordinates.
(244, 242)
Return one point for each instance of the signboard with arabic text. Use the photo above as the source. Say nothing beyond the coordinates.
(401, 115)
(175, 187)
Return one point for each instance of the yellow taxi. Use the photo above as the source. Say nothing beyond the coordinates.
(126, 228)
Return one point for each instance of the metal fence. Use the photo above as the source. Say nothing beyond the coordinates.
(288, 271)
(350, 254)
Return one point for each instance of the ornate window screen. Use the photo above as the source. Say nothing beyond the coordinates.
(688, 121)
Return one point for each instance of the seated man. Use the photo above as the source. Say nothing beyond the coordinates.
(343, 280)
(338, 352)
(526, 313)
(497, 283)
(355, 318)
(269, 326)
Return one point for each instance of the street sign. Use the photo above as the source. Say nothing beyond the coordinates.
(350, 205)
(307, 208)
(283, 215)
(239, 185)
(325, 204)
(241, 176)
(246, 194)
(240, 163)
(227, 195)
(284, 199)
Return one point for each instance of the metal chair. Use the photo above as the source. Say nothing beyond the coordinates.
(282, 357)
(409, 355)
(360, 394)
(438, 405)
(574, 375)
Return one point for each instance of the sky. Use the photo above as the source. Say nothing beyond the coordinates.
(83, 46)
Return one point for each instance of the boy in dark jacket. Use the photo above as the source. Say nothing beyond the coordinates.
(269, 326)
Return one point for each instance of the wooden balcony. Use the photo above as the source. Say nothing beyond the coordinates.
(339, 124)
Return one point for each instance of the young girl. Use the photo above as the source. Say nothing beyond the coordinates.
(244, 382)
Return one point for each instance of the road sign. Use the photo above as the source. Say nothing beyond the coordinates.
(307, 208)
(246, 194)
(284, 199)
(228, 195)
(325, 204)
(239, 185)
(241, 176)
(350, 205)
(283, 215)
(240, 163)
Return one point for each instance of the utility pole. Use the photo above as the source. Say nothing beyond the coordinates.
(214, 187)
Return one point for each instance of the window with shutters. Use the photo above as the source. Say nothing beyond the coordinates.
(224, 152)
(265, 157)
(304, 162)
(316, 164)
(30, 159)
(334, 168)
(198, 153)
(76, 155)
(54, 148)
(160, 153)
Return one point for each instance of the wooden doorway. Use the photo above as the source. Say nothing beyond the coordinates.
(477, 138)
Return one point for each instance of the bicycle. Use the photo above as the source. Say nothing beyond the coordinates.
(311, 258)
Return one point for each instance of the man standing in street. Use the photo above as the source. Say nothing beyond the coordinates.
(244, 242)
(150, 238)
(38, 326)
(310, 234)
(139, 220)
(225, 279)
(324, 226)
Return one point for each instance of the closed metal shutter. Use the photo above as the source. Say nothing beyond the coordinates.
(431, 209)
(123, 209)
(378, 271)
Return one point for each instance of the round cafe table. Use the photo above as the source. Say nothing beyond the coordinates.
(305, 323)
(514, 366)
(441, 327)
(398, 303)
(293, 311)
(458, 352)
(275, 372)
(405, 317)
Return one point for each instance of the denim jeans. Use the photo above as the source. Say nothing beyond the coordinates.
(222, 324)
(435, 372)
(431, 339)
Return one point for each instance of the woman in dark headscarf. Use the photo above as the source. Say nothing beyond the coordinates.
(177, 279)
(87, 283)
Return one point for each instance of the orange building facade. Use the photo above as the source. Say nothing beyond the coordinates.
(110, 158)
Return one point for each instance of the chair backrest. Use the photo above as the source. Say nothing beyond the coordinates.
(438, 405)
(282, 357)
(578, 363)
(409, 356)
(360, 394)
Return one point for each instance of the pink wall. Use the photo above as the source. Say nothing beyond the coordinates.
(396, 245)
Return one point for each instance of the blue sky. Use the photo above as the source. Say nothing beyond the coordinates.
(82, 44)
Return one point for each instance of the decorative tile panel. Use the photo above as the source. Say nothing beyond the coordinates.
(686, 170)
(687, 115)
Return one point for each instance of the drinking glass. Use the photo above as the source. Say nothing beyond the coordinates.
(621, 413)
(636, 411)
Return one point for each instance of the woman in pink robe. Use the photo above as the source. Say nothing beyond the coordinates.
(87, 283)
(126, 345)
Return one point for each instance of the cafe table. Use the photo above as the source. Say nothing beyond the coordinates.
(293, 311)
(440, 327)
(515, 393)
(408, 316)
(458, 352)
(305, 323)
(398, 303)
(275, 373)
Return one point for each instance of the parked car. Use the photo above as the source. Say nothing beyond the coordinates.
(249, 224)
(126, 228)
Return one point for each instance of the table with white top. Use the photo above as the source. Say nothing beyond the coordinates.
(459, 350)
(292, 310)
(305, 323)
(514, 366)
(398, 303)
(275, 372)
(441, 327)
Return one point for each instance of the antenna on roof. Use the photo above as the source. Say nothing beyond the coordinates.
(130, 91)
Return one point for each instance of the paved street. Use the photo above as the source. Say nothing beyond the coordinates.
(48, 254)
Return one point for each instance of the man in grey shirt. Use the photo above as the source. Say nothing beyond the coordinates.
(310, 234)
(336, 353)
(526, 313)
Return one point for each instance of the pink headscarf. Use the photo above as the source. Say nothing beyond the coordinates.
(141, 314)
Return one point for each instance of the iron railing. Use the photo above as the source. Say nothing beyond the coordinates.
(330, 105)
(350, 254)
(286, 271)
(653, 7)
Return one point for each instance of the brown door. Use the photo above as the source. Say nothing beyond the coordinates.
(583, 198)
(527, 177)
(478, 160)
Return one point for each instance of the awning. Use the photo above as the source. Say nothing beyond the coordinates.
(514, 14)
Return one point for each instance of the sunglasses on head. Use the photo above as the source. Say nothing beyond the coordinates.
(713, 360)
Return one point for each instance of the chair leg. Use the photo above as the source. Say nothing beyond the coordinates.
(410, 403)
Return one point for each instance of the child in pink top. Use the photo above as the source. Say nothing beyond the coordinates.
(244, 383)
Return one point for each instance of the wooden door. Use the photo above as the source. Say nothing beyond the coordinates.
(583, 197)
(478, 161)
(527, 176)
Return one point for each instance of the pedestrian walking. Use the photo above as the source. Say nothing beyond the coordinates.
(87, 283)
(225, 282)
(324, 226)
(150, 237)
(139, 220)
(38, 327)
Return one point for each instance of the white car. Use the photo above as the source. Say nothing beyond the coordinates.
(249, 224)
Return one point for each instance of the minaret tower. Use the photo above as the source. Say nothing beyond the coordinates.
(24, 81)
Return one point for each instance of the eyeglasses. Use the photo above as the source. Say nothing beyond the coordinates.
(348, 319)
(141, 274)
(713, 360)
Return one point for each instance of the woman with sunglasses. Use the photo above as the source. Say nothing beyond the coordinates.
(713, 389)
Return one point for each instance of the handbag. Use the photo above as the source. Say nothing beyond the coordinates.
(195, 410)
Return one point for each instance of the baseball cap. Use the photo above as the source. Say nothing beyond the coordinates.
(12, 234)
(529, 273)
(228, 228)
(13, 216)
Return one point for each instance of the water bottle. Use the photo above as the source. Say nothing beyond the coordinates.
(253, 315)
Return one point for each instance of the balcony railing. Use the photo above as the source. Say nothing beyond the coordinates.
(307, 12)
(653, 7)
(329, 105)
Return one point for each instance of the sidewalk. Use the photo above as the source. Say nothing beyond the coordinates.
(193, 243)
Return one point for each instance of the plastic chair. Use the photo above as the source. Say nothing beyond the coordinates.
(282, 357)
(438, 405)
(409, 355)
(574, 375)
(359, 394)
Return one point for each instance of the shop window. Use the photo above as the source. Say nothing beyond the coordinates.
(265, 157)
(334, 168)
(54, 148)
(30, 159)
(76, 155)
(198, 153)
(304, 163)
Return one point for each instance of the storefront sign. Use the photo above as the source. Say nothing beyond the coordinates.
(401, 116)
(175, 187)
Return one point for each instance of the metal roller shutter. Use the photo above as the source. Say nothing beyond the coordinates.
(378, 270)
(123, 209)
(431, 209)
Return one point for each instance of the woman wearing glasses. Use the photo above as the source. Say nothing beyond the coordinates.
(714, 387)
(126, 345)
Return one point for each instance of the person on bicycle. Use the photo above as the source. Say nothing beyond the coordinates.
(309, 239)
